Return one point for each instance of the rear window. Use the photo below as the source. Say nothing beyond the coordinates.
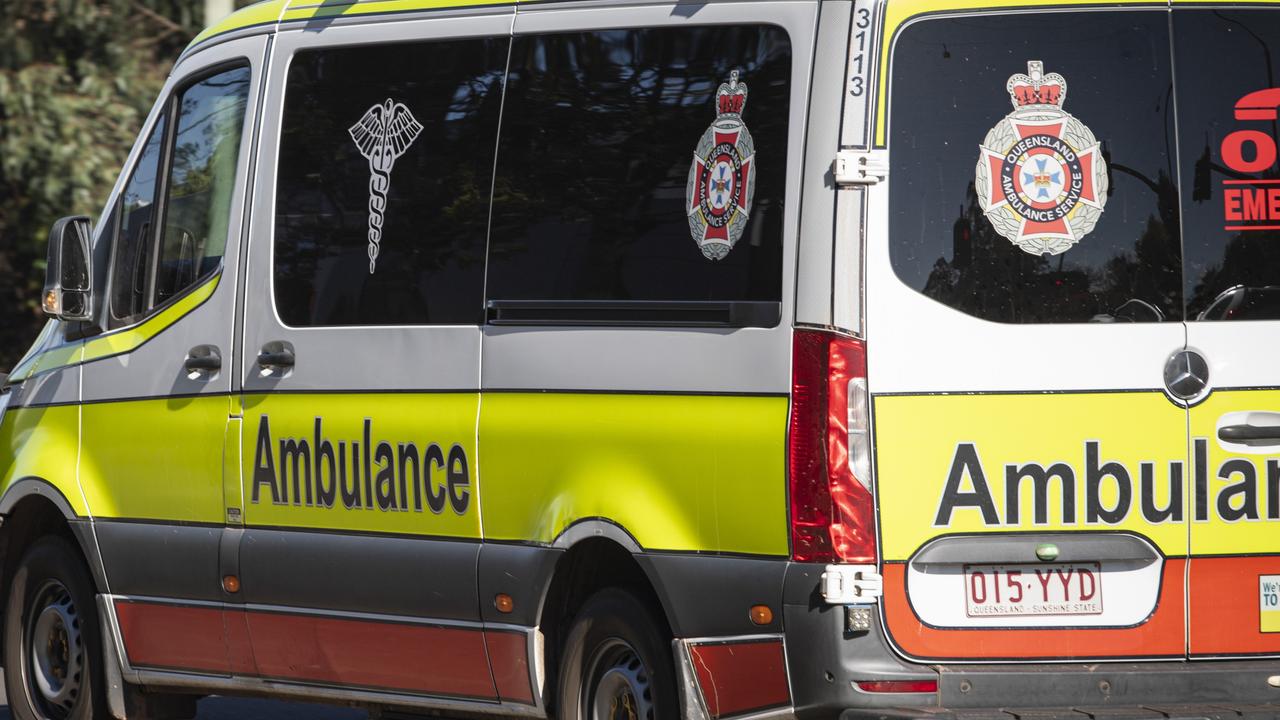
(642, 165)
(1032, 176)
(1227, 130)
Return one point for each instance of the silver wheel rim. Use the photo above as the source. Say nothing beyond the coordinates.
(56, 650)
(618, 684)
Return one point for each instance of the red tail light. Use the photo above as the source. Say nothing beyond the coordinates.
(832, 512)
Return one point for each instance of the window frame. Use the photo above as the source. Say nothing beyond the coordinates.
(168, 113)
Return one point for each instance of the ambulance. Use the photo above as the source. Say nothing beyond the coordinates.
(640, 359)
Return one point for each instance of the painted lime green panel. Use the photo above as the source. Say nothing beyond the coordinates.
(1098, 447)
(339, 468)
(157, 459)
(41, 442)
(701, 473)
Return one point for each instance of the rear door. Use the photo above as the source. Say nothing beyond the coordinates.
(1024, 295)
(1228, 93)
(362, 356)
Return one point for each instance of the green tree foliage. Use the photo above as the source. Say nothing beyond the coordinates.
(77, 78)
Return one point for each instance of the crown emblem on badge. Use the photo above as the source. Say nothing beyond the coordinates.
(1035, 88)
(722, 177)
(1040, 178)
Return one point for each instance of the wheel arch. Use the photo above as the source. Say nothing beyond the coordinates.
(597, 554)
(33, 508)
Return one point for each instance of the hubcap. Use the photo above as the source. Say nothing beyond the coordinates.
(618, 685)
(56, 650)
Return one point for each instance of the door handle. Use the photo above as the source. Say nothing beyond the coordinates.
(276, 355)
(1251, 428)
(1246, 434)
(202, 361)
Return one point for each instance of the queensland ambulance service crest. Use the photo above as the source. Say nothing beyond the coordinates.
(1041, 179)
(722, 178)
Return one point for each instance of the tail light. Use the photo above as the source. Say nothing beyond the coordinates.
(832, 512)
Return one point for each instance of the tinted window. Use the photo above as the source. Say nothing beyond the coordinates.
(201, 179)
(382, 195)
(1231, 184)
(133, 244)
(599, 195)
(1092, 199)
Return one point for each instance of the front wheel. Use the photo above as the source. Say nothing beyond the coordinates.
(617, 663)
(52, 649)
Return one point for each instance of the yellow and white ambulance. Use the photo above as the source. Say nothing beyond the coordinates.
(648, 359)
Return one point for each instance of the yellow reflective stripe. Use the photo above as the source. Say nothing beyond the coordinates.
(257, 14)
(679, 472)
(115, 343)
(309, 10)
(129, 339)
(898, 12)
(27, 364)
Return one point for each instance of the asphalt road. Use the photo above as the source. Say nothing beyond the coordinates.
(223, 708)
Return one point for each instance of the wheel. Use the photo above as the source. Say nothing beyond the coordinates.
(617, 663)
(52, 645)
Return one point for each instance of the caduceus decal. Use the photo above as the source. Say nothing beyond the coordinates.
(382, 135)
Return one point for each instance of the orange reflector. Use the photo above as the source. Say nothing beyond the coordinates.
(897, 686)
(504, 603)
(231, 584)
(761, 614)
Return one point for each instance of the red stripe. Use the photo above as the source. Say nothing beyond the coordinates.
(172, 636)
(509, 658)
(739, 677)
(414, 658)
(1225, 605)
(1160, 636)
(336, 651)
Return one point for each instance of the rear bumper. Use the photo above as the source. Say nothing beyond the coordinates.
(826, 661)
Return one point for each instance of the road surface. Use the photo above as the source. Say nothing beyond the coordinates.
(222, 708)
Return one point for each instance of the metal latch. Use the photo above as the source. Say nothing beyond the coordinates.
(860, 167)
(846, 584)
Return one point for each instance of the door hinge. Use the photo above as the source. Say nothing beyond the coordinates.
(847, 584)
(860, 167)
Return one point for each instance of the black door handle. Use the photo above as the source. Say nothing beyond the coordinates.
(1249, 433)
(203, 358)
(278, 358)
(206, 362)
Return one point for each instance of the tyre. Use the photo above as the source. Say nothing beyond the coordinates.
(617, 663)
(52, 643)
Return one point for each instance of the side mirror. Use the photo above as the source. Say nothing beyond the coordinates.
(68, 287)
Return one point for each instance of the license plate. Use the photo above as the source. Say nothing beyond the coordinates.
(1033, 589)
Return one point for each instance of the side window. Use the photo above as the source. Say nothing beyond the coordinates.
(382, 194)
(1031, 176)
(133, 244)
(642, 165)
(197, 162)
(1227, 125)
(202, 175)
